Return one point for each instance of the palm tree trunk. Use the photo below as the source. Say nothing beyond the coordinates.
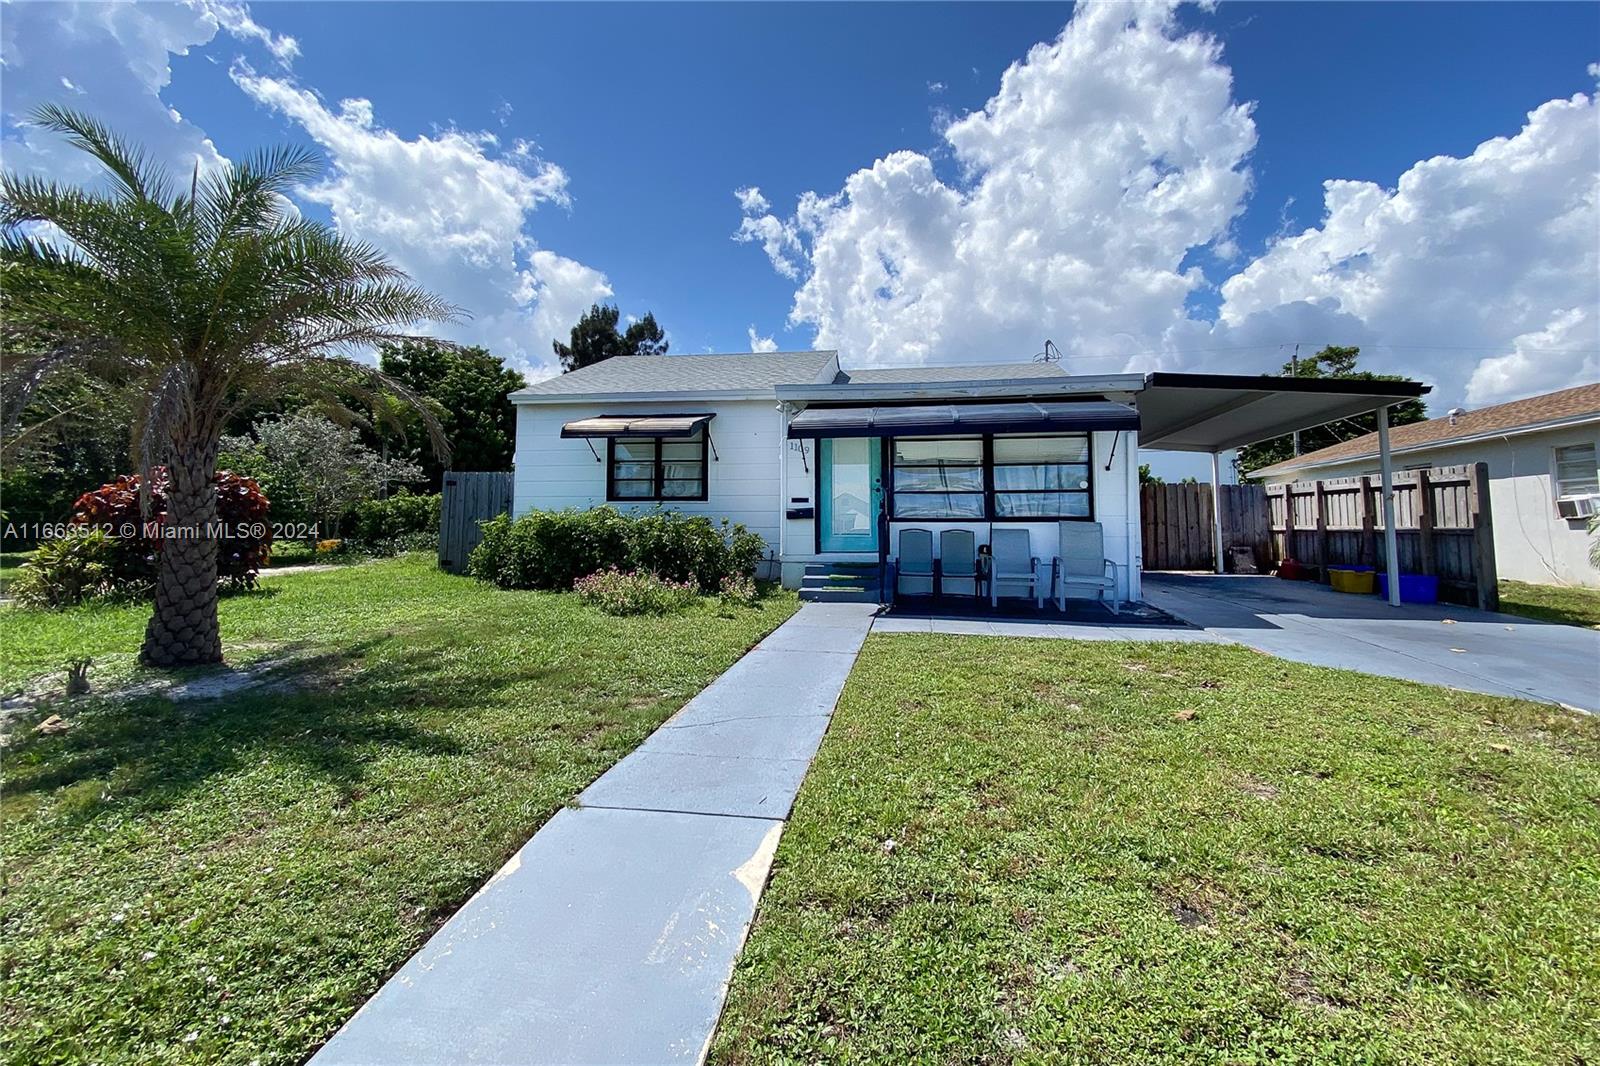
(183, 630)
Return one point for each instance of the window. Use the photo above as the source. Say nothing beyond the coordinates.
(1041, 477)
(1576, 474)
(990, 478)
(657, 468)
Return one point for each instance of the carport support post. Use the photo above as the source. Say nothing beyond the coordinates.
(1216, 509)
(1391, 549)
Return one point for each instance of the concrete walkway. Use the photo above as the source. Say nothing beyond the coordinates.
(610, 936)
(1459, 647)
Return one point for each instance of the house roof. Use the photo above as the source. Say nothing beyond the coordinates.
(1578, 404)
(693, 374)
(895, 375)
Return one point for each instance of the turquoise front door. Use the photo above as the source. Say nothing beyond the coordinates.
(851, 488)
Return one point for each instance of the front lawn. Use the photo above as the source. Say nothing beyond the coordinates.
(1552, 603)
(229, 879)
(1014, 850)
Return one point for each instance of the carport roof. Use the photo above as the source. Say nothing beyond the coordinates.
(1215, 412)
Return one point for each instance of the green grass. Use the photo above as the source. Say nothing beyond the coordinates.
(228, 880)
(1318, 867)
(9, 563)
(1552, 603)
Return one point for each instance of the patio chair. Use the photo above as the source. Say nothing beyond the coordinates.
(958, 563)
(914, 564)
(1014, 564)
(1082, 564)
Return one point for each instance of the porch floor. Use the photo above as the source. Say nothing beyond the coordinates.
(1082, 620)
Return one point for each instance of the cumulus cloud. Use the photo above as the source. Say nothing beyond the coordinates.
(1113, 161)
(759, 343)
(1104, 157)
(1482, 271)
(452, 210)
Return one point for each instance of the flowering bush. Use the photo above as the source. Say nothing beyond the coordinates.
(329, 546)
(634, 592)
(739, 591)
(242, 510)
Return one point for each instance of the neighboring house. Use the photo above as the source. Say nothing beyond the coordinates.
(1541, 454)
(806, 454)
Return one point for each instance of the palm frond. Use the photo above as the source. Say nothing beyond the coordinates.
(129, 167)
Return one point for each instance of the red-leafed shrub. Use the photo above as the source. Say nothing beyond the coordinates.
(243, 533)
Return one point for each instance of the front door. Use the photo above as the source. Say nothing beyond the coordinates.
(851, 487)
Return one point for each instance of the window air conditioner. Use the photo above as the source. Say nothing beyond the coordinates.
(1579, 506)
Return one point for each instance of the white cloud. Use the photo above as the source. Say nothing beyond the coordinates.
(461, 231)
(235, 18)
(937, 87)
(750, 200)
(1104, 157)
(759, 343)
(1482, 271)
(1108, 156)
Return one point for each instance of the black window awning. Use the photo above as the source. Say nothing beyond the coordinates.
(956, 419)
(636, 426)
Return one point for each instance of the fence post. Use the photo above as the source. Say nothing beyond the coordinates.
(1369, 531)
(1484, 573)
(1320, 501)
(1424, 508)
(1288, 521)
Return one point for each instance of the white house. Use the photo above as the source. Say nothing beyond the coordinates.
(1543, 484)
(822, 462)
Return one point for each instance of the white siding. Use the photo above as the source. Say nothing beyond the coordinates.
(552, 473)
(1114, 508)
(1531, 541)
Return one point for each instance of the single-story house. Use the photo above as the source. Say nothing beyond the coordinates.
(829, 465)
(1543, 460)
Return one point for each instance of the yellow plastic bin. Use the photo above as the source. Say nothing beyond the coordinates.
(1351, 579)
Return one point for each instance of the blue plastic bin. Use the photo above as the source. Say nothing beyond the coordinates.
(1414, 588)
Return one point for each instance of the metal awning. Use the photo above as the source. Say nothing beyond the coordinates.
(636, 426)
(954, 419)
(1215, 412)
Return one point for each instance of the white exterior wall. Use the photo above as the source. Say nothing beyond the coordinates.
(1116, 508)
(1531, 541)
(742, 486)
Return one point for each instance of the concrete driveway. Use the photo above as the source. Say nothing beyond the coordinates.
(1500, 654)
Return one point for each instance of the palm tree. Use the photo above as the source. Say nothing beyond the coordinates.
(206, 299)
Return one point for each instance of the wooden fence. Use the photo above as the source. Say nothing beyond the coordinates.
(1176, 527)
(469, 498)
(1443, 527)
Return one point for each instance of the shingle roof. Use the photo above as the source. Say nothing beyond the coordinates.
(896, 375)
(1500, 418)
(687, 373)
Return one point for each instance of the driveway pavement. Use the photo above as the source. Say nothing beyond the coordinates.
(610, 936)
(1479, 651)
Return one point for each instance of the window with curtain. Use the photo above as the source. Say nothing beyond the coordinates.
(979, 478)
(657, 468)
(938, 477)
(1041, 477)
(1576, 473)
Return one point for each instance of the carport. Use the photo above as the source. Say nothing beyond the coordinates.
(1213, 413)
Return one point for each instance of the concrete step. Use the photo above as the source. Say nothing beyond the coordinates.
(822, 581)
(839, 595)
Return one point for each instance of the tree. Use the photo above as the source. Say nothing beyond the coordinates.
(596, 338)
(1146, 477)
(1332, 362)
(206, 297)
(471, 392)
(314, 469)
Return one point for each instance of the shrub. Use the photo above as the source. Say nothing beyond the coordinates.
(68, 571)
(376, 522)
(114, 508)
(552, 549)
(739, 591)
(634, 592)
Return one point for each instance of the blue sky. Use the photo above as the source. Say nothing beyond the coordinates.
(642, 121)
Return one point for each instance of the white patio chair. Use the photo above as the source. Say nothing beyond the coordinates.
(1014, 563)
(958, 563)
(914, 564)
(1082, 564)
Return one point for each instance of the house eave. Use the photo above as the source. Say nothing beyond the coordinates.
(1290, 467)
(1029, 388)
(657, 396)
